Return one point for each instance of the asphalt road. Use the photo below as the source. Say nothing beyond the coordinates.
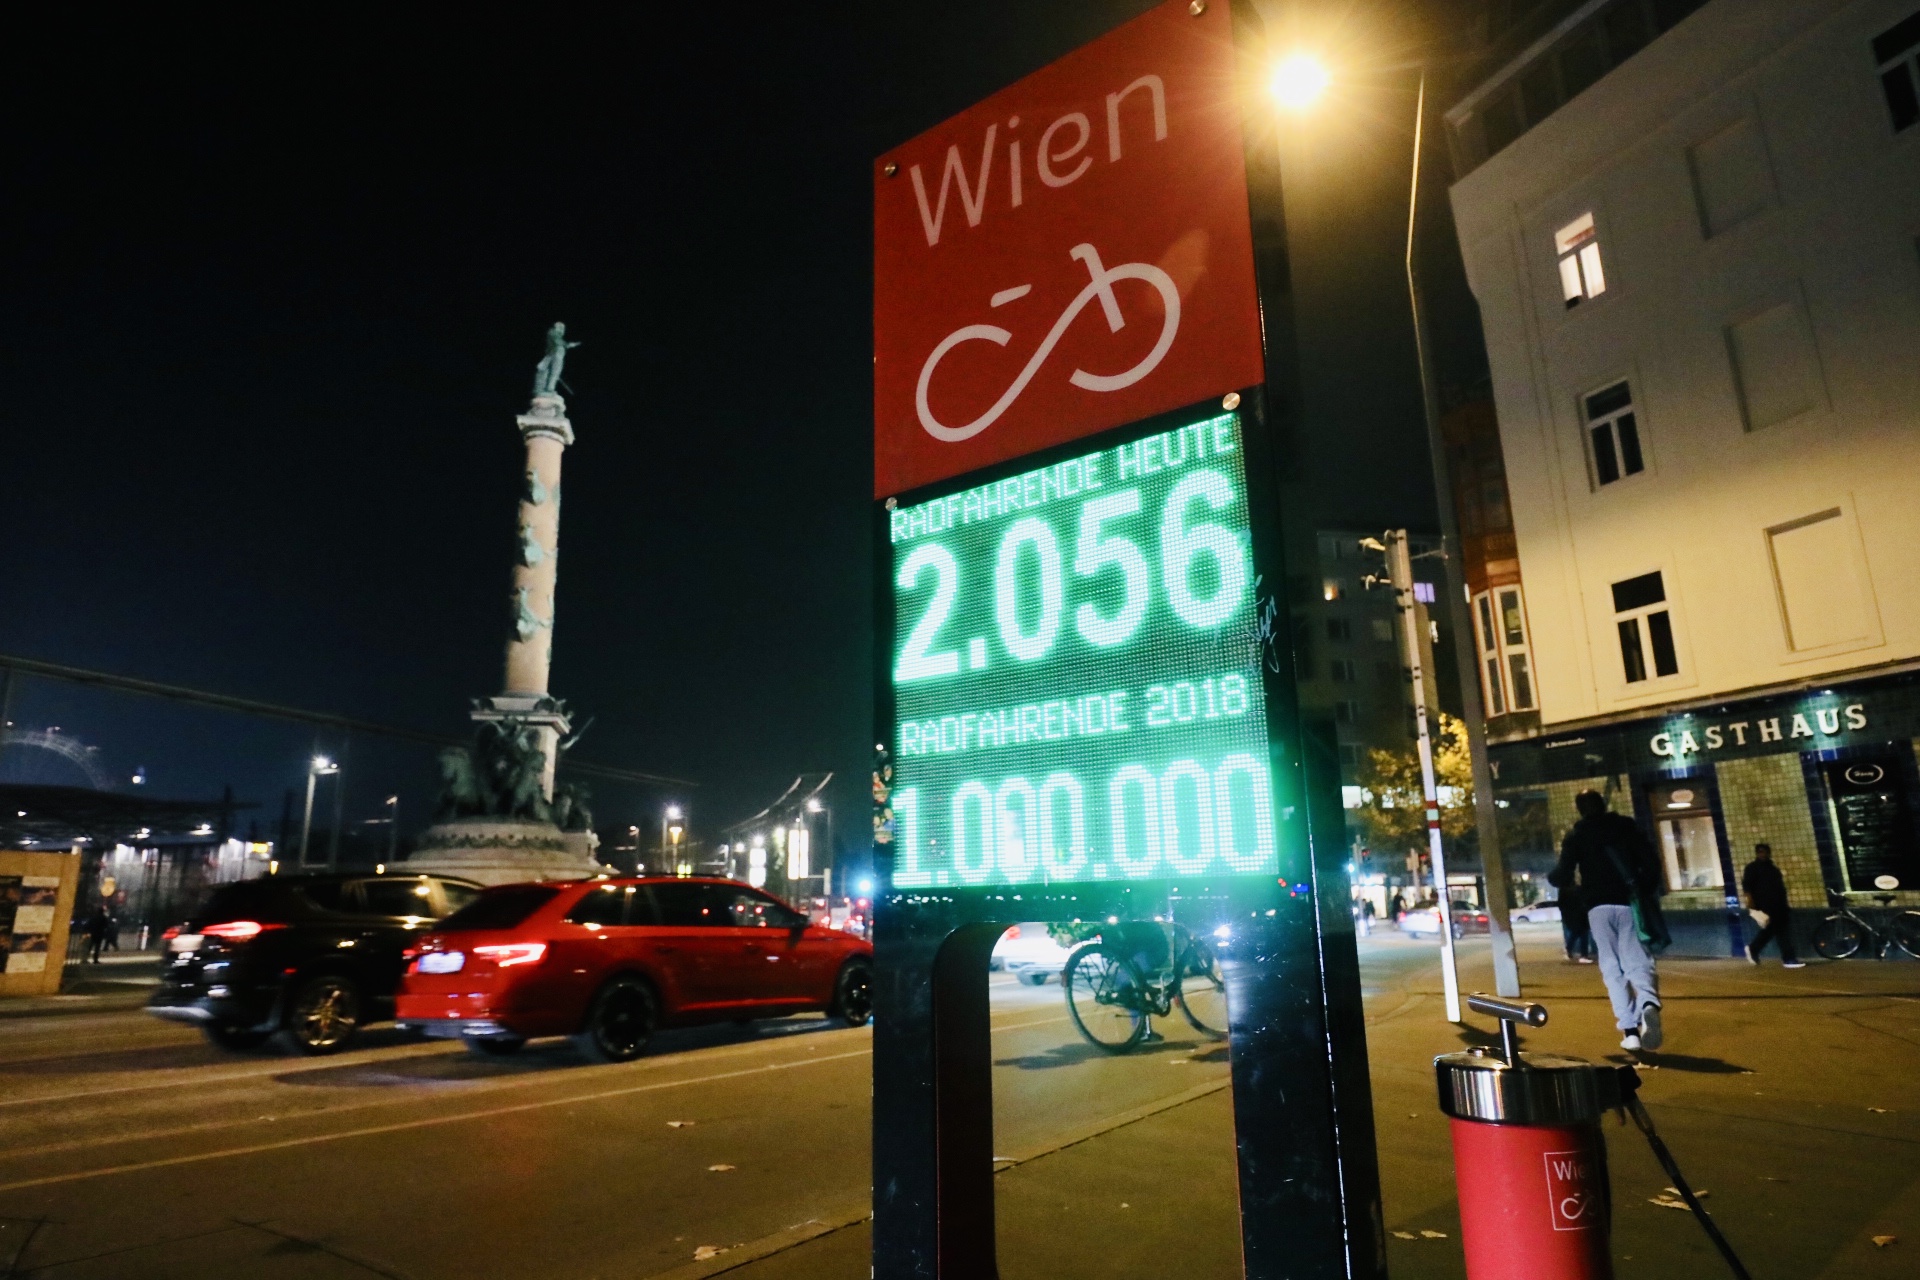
(130, 1147)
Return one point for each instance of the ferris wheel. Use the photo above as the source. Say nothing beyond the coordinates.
(48, 757)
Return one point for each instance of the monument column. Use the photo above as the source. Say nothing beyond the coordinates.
(499, 820)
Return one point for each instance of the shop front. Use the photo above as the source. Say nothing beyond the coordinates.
(1828, 777)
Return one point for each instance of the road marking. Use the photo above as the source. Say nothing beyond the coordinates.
(425, 1123)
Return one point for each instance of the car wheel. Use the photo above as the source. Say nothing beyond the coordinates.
(1036, 979)
(493, 1046)
(234, 1039)
(620, 1022)
(853, 994)
(323, 1014)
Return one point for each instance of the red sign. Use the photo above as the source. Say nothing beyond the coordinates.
(1069, 255)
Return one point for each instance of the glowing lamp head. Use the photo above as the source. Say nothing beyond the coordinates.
(1298, 80)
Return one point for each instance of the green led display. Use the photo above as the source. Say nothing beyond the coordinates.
(1076, 672)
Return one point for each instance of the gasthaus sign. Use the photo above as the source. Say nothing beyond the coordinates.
(1085, 706)
(1069, 255)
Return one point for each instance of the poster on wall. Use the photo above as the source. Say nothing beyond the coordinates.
(30, 903)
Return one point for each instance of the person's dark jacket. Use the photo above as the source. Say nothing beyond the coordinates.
(1764, 886)
(1594, 852)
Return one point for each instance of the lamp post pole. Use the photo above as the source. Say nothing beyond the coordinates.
(1493, 865)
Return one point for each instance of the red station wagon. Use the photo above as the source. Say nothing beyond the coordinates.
(607, 962)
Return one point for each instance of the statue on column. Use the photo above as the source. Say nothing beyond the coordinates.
(546, 374)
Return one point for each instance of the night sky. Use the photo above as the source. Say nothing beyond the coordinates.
(273, 293)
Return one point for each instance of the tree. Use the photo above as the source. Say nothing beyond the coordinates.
(1393, 810)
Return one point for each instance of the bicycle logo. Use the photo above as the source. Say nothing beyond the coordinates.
(1100, 287)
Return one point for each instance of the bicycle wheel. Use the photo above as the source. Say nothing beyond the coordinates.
(1105, 997)
(1201, 992)
(1906, 932)
(1839, 937)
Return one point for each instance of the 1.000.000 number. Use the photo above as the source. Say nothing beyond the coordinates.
(1185, 820)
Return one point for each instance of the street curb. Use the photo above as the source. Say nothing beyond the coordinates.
(60, 1005)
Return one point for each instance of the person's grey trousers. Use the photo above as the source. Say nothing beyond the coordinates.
(1625, 966)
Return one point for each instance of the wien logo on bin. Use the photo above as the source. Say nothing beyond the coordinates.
(1072, 254)
(1573, 1193)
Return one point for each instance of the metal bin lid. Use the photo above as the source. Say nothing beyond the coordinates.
(1542, 1089)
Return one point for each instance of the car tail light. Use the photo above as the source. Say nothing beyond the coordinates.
(238, 930)
(508, 954)
(172, 932)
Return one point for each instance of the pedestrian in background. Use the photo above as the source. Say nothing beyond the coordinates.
(1574, 929)
(98, 922)
(1766, 892)
(1611, 864)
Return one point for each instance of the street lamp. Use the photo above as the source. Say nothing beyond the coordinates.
(315, 767)
(1298, 80)
(1296, 84)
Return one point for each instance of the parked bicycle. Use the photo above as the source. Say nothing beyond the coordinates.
(1846, 932)
(1140, 970)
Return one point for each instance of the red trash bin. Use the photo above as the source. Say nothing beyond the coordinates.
(1529, 1158)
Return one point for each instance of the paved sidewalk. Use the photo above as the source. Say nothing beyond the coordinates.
(1793, 1099)
(121, 980)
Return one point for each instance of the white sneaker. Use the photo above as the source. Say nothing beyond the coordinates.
(1794, 964)
(1752, 958)
(1650, 1026)
(1630, 1042)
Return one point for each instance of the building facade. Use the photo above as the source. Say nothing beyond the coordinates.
(1693, 231)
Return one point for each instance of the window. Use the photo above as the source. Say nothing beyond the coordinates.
(1897, 51)
(1613, 434)
(1731, 179)
(1339, 629)
(604, 905)
(1382, 629)
(1513, 638)
(398, 897)
(1578, 247)
(506, 907)
(1645, 628)
(1689, 849)
(1423, 592)
(458, 895)
(751, 911)
(1825, 594)
(1332, 589)
(1506, 671)
(1495, 690)
(1343, 670)
(1346, 711)
(688, 904)
(1774, 365)
(1349, 755)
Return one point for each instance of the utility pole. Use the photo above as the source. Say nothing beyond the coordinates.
(1486, 812)
(1413, 626)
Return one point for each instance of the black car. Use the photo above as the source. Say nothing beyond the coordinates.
(311, 958)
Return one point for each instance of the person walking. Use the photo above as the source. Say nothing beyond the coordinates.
(1574, 930)
(98, 923)
(1766, 894)
(1610, 863)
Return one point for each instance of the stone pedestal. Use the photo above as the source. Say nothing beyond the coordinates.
(504, 851)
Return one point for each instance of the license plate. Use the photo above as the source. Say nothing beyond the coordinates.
(184, 942)
(443, 961)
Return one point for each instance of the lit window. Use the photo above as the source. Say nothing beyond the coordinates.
(1578, 246)
(1613, 433)
(1423, 592)
(1505, 656)
(1645, 627)
(1331, 589)
(1897, 51)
